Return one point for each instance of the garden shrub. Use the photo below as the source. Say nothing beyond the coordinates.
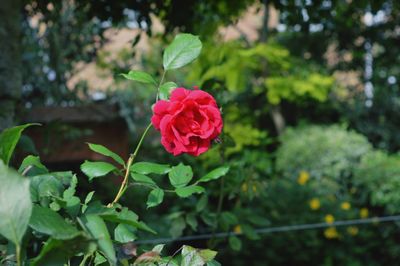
(43, 219)
(323, 151)
(378, 175)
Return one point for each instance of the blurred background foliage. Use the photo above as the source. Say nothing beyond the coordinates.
(306, 141)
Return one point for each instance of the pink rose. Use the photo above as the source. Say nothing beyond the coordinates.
(188, 121)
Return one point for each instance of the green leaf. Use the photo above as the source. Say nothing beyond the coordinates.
(235, 243)
(158, 248)
(15, 204)
(140, 76)
(227, 219)
(98, 230)
(150, 168)
(184, 49)
(33, 161)
(195, 257)
(213, 263)
(9, 139)
(166, 88)
(191, 221)
(124, 216)
(106, 152)
(214, 174)
(180, 175)
(207, 254)
(45, 186)
(177, 227)
(156, 196)
(184, 192)
(96, 169)
(249, 232)
(58, 252)
(123, 234)
(99, 259)
(202, 203)
(69, 192)
(72, 203)
(142, 178)
(73, 206)
(88, 198)
(46, 221)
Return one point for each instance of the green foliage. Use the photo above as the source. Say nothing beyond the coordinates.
(235, 243)
(98, 229)
(46, 221)
(150, 168)
(96, 169)
(180, 175)
(267, 68)
(124, 234)
(378, 176)
(214, 174)
(59, 252)
(195, 257)
(291, 88)
(8, 140)
(140, 76)
(106, 152)
(16, 205)
(32, 161)
(184, 49)
(323, 151)
(166, 89)
(49, 201)
(185, 192)
(156, 196)
(142, 178)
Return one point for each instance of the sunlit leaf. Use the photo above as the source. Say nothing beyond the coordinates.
(96, 169)
(8, 140)
(140, 76)
(15, 204)
(184, 49)
(106, 152)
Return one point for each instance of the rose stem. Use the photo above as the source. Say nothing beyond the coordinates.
(132, 157)
(128, 166)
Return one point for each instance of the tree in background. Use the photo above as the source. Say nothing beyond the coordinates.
(72, 31)
(10, 61)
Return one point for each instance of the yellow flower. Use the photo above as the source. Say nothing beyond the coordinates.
(331, 233)
(364, 213)
(237, 229)
(303, 177)
(352, 230)
(254, 188)
(345, 206)
(244, 187)
(315, 204)
(329, 219)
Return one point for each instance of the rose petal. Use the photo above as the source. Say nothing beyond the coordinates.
(179, 94)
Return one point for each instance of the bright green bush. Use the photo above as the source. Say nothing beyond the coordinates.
(323, 151)
(379, 175)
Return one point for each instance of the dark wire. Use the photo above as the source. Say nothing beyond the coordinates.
(276, 229)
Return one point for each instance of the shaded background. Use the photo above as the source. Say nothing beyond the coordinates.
(310, 98)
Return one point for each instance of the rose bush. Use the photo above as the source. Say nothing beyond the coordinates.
(188, 121)
(47, 223)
